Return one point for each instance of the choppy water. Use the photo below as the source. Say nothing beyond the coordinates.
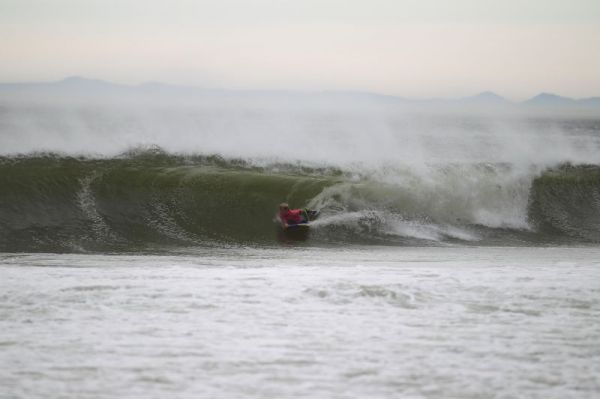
(407, 322)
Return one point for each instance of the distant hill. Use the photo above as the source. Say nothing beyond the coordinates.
(79, 83)
(590, 102)
(548, 99)
(71, 86)
(79, 87)
(487, 97)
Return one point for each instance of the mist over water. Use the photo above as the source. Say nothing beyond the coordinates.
(339, 130)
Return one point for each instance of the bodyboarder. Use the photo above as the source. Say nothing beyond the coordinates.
(289, 216)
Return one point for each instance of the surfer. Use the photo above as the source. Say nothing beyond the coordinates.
(289, 216)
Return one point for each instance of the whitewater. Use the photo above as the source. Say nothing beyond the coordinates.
(456, 253)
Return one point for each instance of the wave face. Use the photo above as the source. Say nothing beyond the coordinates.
(153, 201)
(566, 201)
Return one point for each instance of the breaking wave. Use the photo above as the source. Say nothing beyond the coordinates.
(150, 200)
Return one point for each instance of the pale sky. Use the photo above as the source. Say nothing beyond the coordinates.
(412, 48)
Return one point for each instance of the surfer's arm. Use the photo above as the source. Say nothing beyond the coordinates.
(282, 221)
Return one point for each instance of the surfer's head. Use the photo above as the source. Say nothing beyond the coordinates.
(284, 206)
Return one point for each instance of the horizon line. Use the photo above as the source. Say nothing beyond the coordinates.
(492, 95)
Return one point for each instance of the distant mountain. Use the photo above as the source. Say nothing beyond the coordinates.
(590, 102)
(360, 95)
(76, 87)
(550, 100)
(83, 87)
(77, 82)
(71, 86)
(486, 97)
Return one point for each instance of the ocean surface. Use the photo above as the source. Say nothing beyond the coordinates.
(455, 256)
(376, 322)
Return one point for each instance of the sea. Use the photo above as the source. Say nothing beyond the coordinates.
(456, 255)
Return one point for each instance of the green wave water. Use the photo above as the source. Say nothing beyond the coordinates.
(154, 201)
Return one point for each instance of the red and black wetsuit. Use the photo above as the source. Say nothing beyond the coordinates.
(291, 216)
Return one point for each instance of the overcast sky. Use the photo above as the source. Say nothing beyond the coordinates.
(413, 48)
